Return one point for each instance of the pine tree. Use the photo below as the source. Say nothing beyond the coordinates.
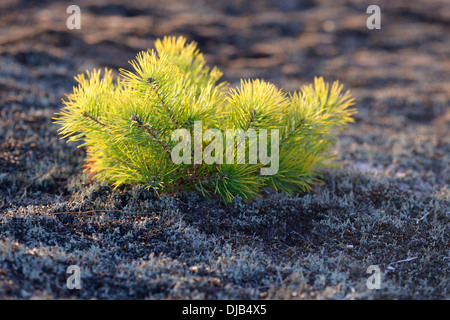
(127, 125)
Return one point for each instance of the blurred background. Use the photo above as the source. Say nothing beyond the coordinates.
(399, 75)
(388, 200)
(287, 42)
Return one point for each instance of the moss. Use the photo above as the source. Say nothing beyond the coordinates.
(389, 204)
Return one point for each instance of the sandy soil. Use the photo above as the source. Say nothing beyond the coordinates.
(386, 205)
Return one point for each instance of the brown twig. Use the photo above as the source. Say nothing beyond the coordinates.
(90, 117)
(150, 131)
(89, 211)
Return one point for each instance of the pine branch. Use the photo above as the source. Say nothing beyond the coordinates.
(250, 120)
(292, 133)
(171, 115)
(86, 115)
(172, 88)
(159, 140)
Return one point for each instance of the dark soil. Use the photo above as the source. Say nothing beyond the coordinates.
(387, 204)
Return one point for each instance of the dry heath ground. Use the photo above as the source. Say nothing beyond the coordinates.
(387, 204)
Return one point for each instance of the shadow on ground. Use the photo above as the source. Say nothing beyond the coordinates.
(387, 204)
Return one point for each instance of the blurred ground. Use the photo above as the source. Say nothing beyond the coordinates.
(387, 203)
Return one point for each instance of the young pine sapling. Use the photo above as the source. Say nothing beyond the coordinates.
(172, 105)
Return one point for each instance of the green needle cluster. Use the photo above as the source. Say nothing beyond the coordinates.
(126, 124)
